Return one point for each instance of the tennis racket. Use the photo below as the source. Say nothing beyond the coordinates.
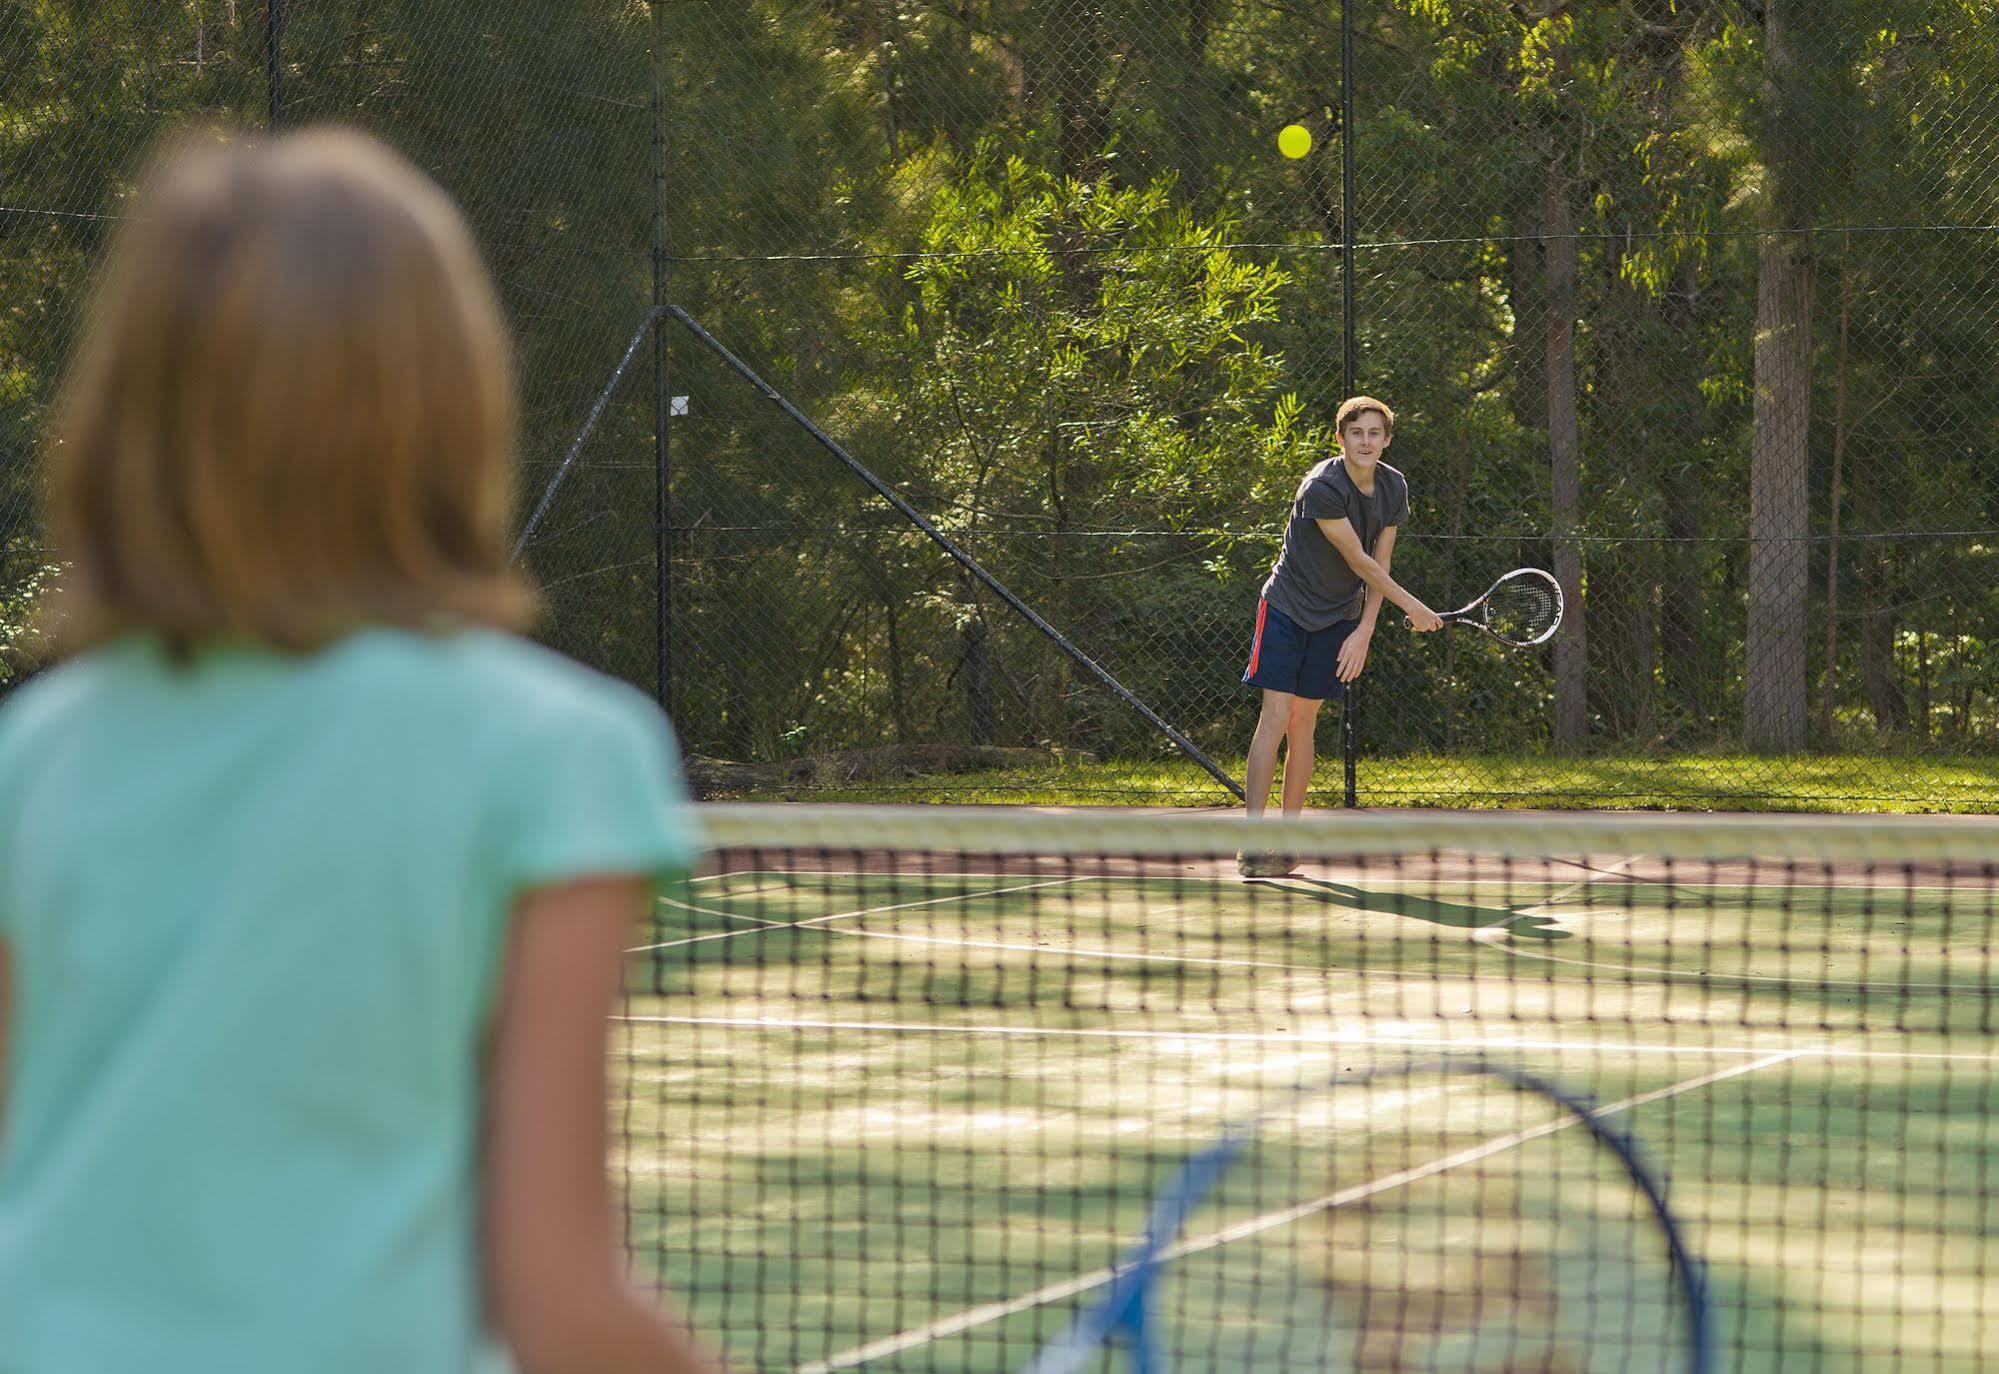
(1454, 1216)
(1522, 609)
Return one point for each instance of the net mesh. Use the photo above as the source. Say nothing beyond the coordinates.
(900, 1085)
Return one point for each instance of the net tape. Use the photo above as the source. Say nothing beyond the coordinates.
(1135, 831)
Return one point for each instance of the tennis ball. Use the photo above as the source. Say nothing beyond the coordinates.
(1294, 140)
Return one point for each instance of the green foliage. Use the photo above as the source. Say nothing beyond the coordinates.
(21, 641)
(1037, 263)
(1075, 348)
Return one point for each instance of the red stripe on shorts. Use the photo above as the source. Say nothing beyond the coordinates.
(1256, 644)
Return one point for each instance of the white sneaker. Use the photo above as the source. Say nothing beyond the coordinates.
(1264, 864)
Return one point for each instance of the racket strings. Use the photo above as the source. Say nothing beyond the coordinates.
(1522, 609)
(1367, 1249)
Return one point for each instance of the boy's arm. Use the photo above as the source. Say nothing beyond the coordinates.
(1353, 653)
(1384, 552)
(1341, 535)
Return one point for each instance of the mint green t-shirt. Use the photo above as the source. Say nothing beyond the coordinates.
(256, 909)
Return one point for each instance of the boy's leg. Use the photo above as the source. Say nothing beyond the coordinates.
(1318, 679)
(1300, 727)
(1271, 727)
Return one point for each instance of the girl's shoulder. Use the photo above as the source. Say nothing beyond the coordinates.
(65, 690)
(490, 671)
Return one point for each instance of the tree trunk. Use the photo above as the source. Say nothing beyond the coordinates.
(898, 675)
(1680, 592)
(1191, 130)
(1527, 287)
(1565, 453)
(887, 35)
(1623, 642)
(1923, 682)
(976, 663)
(1459, 490)
(1779, 511)
(1057, 720)
(1832, 500)
(739, 712)
(1877, 647)
(1774, 689)
(1633, 377)
(1075, 45)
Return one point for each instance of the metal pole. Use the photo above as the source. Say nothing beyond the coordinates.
(957, 554)
(1349, 361)
(663, 549)
(651, 321)
(274, 34)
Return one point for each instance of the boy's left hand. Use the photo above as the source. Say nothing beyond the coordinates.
(1353, 656)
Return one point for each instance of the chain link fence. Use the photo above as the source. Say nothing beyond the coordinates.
(1690, 301)
(537, 118)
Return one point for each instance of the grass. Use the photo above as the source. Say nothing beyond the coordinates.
(856, 1104)
(1693, 782)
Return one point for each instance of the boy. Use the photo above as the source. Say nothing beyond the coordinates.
(1319, 604)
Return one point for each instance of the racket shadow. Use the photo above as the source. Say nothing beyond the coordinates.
(1520, 920)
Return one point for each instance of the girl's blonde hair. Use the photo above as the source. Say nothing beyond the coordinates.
(293, 411)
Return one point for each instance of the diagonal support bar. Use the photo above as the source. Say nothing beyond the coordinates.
(964, 559)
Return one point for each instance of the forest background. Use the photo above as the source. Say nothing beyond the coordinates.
(1695, 302)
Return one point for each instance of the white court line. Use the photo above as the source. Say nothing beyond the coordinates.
(782, 885)
(1590, 875)
(1490, 935)
(991, 1312)
(1589, 878)
(1310, 1038)
(843, 916)
(717, 912)
(1046, 951)
(1487, 935)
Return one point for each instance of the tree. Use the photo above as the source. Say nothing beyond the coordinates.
(1143, 400)
(1774, 704)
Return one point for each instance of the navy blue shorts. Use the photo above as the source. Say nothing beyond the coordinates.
(1286, 657)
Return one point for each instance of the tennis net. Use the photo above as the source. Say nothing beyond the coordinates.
(898, 1086)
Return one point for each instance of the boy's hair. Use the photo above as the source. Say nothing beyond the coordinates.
(293, 411)
(1357, 405)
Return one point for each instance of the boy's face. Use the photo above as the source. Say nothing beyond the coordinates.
(1364, 438)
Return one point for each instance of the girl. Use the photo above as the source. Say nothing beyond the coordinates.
(314, 881)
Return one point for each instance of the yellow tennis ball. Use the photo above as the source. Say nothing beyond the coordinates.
(1294, 140)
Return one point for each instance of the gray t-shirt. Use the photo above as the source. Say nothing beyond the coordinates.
(1311, 582)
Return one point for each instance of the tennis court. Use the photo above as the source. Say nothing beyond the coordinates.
(899, 1107)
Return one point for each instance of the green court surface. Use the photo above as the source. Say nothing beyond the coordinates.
(898, 1120)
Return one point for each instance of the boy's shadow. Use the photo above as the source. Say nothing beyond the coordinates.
(1458, 915)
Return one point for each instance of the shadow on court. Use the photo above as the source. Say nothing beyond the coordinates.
(1458, 915)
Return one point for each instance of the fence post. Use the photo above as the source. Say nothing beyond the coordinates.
(663, 543)
(1349, 356)
(274, 35)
